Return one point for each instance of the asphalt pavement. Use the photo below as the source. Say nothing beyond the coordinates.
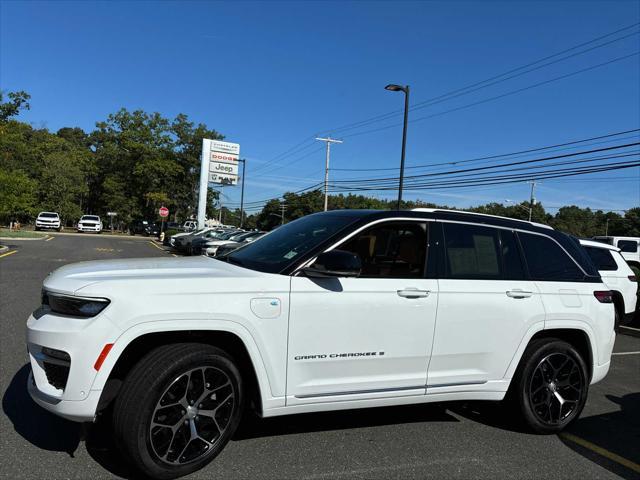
(454, 440)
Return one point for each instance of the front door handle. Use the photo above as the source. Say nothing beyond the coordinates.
(413, 293)
(517, 293)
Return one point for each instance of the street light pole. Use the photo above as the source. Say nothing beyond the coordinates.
(244, 163)
(405, 89)
(329, 141)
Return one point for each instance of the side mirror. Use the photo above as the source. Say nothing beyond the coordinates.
(335, 263)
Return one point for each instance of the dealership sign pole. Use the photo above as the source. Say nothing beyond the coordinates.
(219, 165)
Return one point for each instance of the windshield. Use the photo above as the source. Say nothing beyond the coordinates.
(283, 246)
(227, 235)
(241, 236)
(90, 217)
(48, 215)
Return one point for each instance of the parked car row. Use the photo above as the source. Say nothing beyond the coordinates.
(207, 241)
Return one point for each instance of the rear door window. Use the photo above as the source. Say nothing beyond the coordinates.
(602, 258)
(547, 260)
(472, 252)
(628, 246)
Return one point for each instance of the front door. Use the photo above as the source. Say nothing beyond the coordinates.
(365, 337)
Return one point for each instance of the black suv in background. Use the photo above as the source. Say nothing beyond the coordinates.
(144, 227)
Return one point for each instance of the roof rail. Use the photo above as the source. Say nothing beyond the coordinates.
(445, 210)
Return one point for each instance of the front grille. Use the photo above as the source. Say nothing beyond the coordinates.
(57, 375)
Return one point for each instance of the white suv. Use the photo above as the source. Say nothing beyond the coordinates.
(336, 310)
(629, 248)
(48, 220)
(90, 223)
(617, 275)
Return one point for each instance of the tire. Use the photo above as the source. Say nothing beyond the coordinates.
(178, 373)
(550, 370)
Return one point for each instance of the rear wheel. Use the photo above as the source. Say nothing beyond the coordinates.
(551, 385)
(178, 408)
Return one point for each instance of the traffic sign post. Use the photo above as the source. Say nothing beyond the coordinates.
(164, 213)
(111, 215)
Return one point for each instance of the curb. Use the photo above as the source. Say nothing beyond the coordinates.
(18, 239)
(632, 332)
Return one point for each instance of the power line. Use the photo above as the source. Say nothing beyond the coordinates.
(492, 157)
(491, 81)
(497, 97)
(385, 116)
(518, 178)
(490, 167)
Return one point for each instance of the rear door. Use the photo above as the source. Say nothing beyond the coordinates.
(486, 305)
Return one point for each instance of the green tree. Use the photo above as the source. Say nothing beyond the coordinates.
(17, 101)
(17, 195)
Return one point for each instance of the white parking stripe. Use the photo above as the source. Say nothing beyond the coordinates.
(626, 353)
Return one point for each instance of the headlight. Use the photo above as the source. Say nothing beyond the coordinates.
(84, 307)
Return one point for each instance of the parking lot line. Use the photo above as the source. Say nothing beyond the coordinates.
(159, 248)
(601, 451)
(10, 252)
(49, 239)
(626, 353)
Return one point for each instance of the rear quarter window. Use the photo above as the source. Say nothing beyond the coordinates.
(547, 260)
(602, 258)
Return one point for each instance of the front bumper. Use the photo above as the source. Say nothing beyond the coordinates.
(73, 395)
(53, 226)
(76, 411)
(89, 228)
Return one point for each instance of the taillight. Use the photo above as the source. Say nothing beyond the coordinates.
(603, 296)
(632, 278)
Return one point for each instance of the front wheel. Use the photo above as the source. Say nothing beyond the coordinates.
(551, 385)
(178, 408)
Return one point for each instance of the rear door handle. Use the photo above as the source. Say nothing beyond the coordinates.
(517, 293)
(413, 293)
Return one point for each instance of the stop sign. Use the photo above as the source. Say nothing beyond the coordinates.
(164, 212)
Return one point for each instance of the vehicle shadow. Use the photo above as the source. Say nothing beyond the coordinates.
(33, 423)
(493, 414)
(253, 426)
(102, 448)
(617, 432)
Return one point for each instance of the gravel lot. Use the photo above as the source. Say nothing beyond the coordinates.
(456, 440)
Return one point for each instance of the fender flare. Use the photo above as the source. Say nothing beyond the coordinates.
(550, 326)
(163, 326)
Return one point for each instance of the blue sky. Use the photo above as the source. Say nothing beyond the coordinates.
(271, 75)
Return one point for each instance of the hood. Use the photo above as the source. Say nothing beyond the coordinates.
(73, 277)
(96, 222)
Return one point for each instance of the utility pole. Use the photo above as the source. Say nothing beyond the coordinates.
(220, 204)
(283, 206)
(606, 228)
(532, 198)
(244, 163)
(329, 141)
